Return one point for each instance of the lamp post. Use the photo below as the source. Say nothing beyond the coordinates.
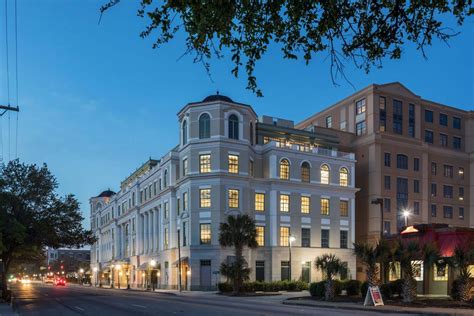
(128, 280)
(144, 279)
(188, 275)
(379, 201)
(112, 267)
(179, 257)
(151, 266)
(158, 275)
(291, 239)
(81, 273)
(96, 275)
(118, 267)
(406, 213)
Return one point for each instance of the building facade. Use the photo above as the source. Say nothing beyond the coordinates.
(71, 260)
(298, 185)
(414, 154)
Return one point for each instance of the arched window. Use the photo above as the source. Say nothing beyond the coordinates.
(344, 177)
(184, 132)
(324, 174)
(204, 126)
(305, 172)
(284, 169)
(165, 179)
(233, 127)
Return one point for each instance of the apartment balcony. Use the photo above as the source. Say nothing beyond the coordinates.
(309, 149)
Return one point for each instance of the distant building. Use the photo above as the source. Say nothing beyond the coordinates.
(70, 259)
(414, 154)
(296, 184)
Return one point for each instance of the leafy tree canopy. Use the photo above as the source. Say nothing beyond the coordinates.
(364, 32)
(33, 216)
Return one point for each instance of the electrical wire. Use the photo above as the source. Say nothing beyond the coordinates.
(16, 77)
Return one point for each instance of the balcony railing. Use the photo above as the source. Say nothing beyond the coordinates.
(311, 149)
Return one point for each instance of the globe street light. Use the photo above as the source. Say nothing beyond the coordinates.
(112, 271)
(406, 213)
(291, 239)
(96, 274)
(81, 273)
(118, 267)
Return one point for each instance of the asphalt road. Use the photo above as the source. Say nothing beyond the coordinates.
(44, 299)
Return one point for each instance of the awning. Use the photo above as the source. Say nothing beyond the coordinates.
(184, 260)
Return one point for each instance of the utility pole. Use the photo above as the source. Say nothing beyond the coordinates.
(7, 108)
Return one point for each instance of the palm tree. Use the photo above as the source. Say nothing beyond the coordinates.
(238, 232)
(405, 253)
(371, 256)
(461, 259)
(331, 266)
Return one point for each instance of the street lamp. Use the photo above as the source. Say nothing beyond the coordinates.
(112, 267)
(128, 280)
(118, 267)
(151, 266)
(406, 213)
(143, 279)
(291, 239)
(179, 256)
(81, 273)
(96, 275)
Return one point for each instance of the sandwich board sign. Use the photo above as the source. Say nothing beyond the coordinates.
(373, 297)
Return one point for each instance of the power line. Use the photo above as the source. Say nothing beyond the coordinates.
(6, 49)
(16, 77)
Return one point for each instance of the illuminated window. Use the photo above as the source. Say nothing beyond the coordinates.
(343, 177)
(260, 202)
(324, 174)
(284, 203)
(394, 271)
(461, 173)
(440, 273)
(324, 206)
(305, 204)
(284, 236)
(233, 198)
(204, 163)
(260, 235)
(305, 172)
(233, 163)
(417, 268)
(344, 208)
(284, 169)
(205, 234)
(205, 198)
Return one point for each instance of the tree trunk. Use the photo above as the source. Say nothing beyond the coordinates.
(6, 266)
(408, 289)
(238, 270)
(329, 293)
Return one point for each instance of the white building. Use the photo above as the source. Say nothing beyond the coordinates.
(228, 161)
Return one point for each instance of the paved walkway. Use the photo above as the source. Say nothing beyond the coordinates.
(6, 310)
(385, 308)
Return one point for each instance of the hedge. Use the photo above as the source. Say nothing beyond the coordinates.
(352, 287)
(318, 289)
(260, 286)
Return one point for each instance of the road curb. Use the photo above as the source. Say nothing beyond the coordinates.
(367, 309)
(136, 291)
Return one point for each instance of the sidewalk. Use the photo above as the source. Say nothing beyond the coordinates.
(6, 310)
(385, 308)
(159, 291)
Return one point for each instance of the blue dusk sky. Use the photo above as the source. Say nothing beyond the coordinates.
(97, 101)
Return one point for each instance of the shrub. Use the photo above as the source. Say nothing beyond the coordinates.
(224, 287)
(386, 291)
(352, 287)
(396, 287)
(338, 286)
(317, 289)
(301, 286)
(364, 288)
